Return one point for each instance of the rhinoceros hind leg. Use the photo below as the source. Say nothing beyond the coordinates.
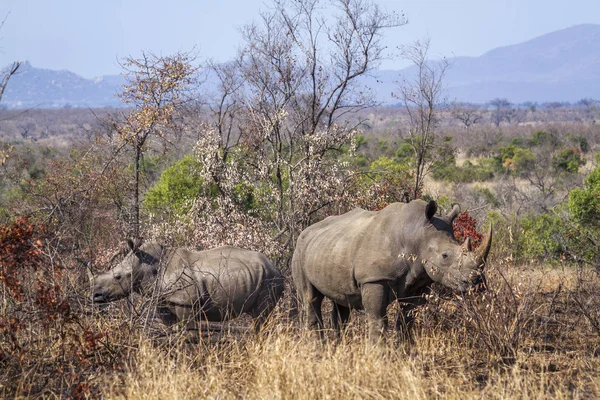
(313, 301)
(167, 316)
(339, 317)
(173, 314)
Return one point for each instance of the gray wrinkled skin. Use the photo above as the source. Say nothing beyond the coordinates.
(211, 285)
(366, 260)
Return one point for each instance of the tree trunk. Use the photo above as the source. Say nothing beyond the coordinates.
(136, 192)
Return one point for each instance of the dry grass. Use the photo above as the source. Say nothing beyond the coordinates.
(532, 335)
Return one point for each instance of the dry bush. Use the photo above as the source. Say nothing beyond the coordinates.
(46, 344)
(524, 339)
(533, 334)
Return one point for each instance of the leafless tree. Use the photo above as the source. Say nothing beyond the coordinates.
(156, 90)
(422, 96)
(283, 102)
(26, 129)
(502, 110)
(8, 73)
(468, 114)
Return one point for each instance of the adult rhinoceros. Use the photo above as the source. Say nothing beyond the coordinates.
(366, 260)
(212, 285)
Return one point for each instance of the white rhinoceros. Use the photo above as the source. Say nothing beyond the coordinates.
(211, 285)
(366, 260)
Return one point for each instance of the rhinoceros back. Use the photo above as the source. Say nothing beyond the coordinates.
(224, 282)
(339, 253)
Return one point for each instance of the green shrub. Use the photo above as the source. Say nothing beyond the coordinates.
(176, 188)
(405, 153)
(468, 172)
(541, 237)
(584, 204)
(568, 159)
(543, 138)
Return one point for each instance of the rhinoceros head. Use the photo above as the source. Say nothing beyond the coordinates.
(139, 266)
(458, 267)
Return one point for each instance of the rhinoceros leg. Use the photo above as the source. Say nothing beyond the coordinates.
(339, 317)
(265, 303)
(171, 314)
(311, 300)
(167, 316)
(405, 318)
(375, 302)
(314, 318)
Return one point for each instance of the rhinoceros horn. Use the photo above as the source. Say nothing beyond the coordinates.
(482, 252)
(467, 245)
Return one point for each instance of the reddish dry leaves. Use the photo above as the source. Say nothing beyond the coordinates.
(465, 227)
(20, 250)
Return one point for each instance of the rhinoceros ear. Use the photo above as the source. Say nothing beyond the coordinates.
(454, 212)
(134, 244)
(430, 210)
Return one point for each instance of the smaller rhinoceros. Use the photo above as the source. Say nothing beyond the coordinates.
(211, 285)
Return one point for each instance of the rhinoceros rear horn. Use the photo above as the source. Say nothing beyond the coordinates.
(484, 249)
(453, 213)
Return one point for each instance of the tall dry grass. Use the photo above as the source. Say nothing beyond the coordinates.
(533, 334)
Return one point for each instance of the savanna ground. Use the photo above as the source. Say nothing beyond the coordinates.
(535, 333)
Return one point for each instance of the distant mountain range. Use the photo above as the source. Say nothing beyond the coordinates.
(46, 88)
(559, 66)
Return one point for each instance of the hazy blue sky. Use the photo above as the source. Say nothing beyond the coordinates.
(88, 37)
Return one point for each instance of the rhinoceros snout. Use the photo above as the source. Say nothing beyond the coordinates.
(98, 296)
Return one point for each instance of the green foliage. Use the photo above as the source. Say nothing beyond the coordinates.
(360, 141)
(468, 172)
(405, 152)
(515, 159)
(176, 188)
(387, 181)
(387, 165)
(244, 195)
(541, 237)
(584, 204)
(543, 138)
(568, 159)
(506, 153)
(523, 160)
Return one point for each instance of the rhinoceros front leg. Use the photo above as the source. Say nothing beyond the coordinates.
(405, 317)
(375, 301)
(265, 304)
(172, 314)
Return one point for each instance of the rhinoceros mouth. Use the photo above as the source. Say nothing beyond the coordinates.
(99, 298)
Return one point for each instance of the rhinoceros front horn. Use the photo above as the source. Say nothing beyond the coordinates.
(482, 252)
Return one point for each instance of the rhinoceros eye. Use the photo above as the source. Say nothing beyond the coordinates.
(444, 256)
(117, 277)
